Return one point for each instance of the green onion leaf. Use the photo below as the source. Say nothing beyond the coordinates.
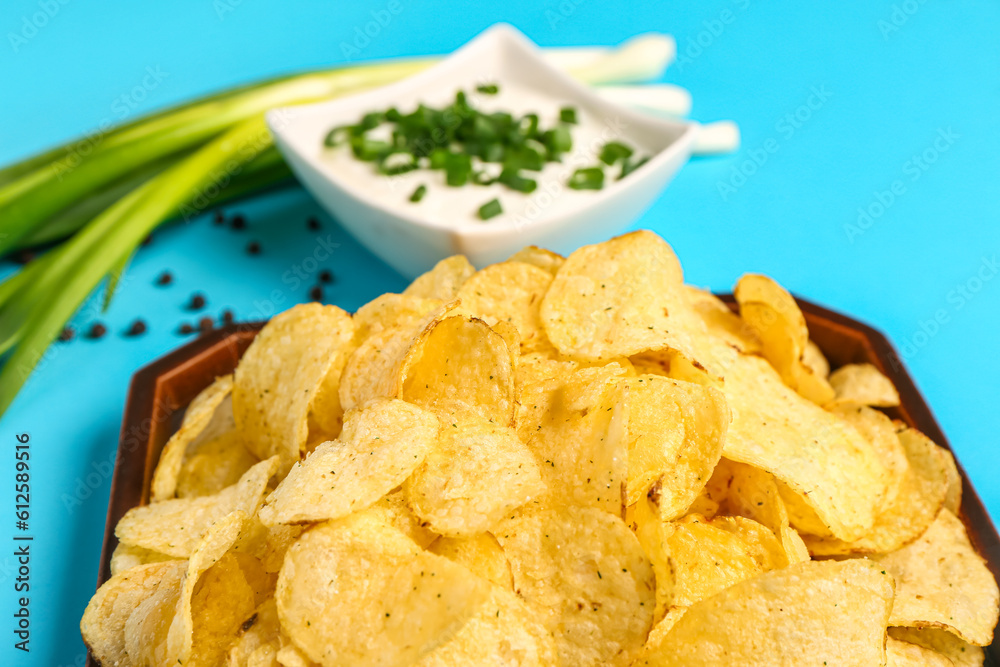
(458, 168)
(488, 89)
(589, 178)
(613, 151)
(338, 135)
(515, 181)
(419, 193)
(490, 209)
(568, 115)
(558, 140)
(629, 166)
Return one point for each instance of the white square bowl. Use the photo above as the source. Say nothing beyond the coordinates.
(412, 243)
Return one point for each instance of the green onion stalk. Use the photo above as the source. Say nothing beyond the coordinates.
(95, 199)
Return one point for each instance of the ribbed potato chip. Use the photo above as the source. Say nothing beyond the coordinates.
(174, 527)
(942, 582)
(392, 310)
(577, 428)
(402, 602)
(862, 384)
(197, 418)
(905, 654)
(126, 556)
(460, 364)
(258, 639)
(961, 654)
(372, 370)
(214, 465)
(288, 378)
(616, 299)
(478, 472)
(380, 445)
(676, 431)
(588, 574)
(443, 281)
(505, 631)
(540, 366)
(540, 257)
(921, 496)
(827, 464)
(753, 493)
(394, 511)
(819, 611)
(480, 554)
(879, 430)
(509, 292)
(780, 326)
(104, 620)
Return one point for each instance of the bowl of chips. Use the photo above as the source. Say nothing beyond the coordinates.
(551, 461)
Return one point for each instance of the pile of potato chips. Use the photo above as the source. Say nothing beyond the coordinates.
(551, 461)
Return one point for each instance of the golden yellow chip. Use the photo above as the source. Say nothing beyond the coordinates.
(576, 427)
(815, 360)
(460, 364)
(961, 654)
(905, 654)
(394, 511)
(505, 631)
(879, 430)
(402, 602)
(214, 465)
(380, 445)
(197, 418)
(942, 582)
(616, 299)
(391, 311)
(676, 432)
(478, 472)
(258, 639)
(509, 292)
(540, 257)
(588, 574)
(862, 384)
(480, 554)
(828, 611)
(443, 281)
(126, 556)
(953, 498)
(772, 313)
(104, 620)
(920, 498)
(288, 378)
(174, 527)
(540, 366)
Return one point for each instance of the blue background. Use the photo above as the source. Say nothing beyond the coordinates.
(893, 78)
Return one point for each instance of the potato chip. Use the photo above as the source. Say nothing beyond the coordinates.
(779, 324)
(174, 527)
(509, 292)
(540, 257)
(392, 311)
(402, 602)
(267, 544)
(753, 493)
(676, 431)
(953, 498)
(720, 321)
(460, 364)
(372, 370)
(832, 470)
(616, 299)
(481, 554)
(920, 498)
(104, 620)
(815, 360)
(380, 445)
(961, 654)
(879, 430)
(443, 281)
(288, 375)
(905, 654)
(126, 556)
(215, 464)
(258, 636)
(394, 511)
(505, 631)
(478, 472)
(942, 582)
(862, 384)
(833, 612)
(577, 429)
(291, 656)
(197, 418)
(540, 366)
(596, 595)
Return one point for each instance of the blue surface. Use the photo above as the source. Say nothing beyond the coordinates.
(886, 86)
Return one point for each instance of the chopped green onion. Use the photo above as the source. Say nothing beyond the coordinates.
(558, 140)
(458, 168)
(370, 121)
(529, 125)
(397, 162)
(438, 158)
(568, 115)
(338, 135)
(490, 209)
(482, 178)
(515, 181)
(613, 151)
(589, 178)
(488, 89)
(419, 193)
(629, 166)
(369, 150)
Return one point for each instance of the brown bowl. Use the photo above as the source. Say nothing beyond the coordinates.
(161, 391)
